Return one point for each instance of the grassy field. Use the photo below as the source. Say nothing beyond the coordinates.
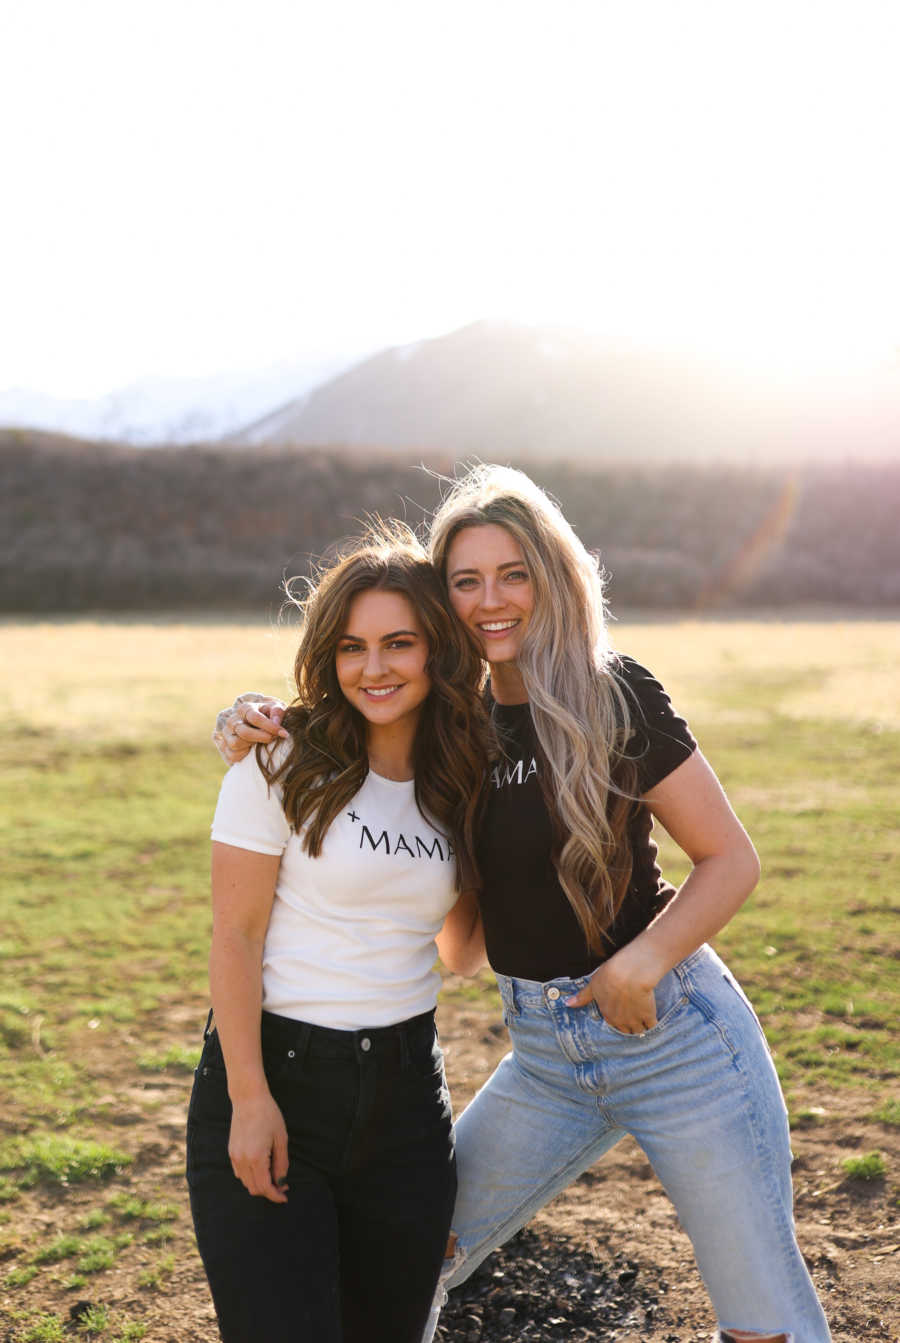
(110, 785)
(110, 782)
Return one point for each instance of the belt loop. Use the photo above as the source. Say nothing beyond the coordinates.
(206, 1028)
(303, 1037)
(509, 995)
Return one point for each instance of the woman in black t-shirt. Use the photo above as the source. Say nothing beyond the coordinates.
(622, 1019)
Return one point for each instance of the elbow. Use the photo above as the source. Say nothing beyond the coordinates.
(458, 964)
(463, 960)
(475, 961)
(749, 868)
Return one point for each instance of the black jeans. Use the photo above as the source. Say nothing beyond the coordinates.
(355, 1252)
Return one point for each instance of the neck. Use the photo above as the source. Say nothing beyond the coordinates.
(507, 686)
(390, 751)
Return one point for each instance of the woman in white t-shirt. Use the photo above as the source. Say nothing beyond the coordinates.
(320, 1156)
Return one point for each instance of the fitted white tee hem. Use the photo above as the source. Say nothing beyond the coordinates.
(350, 939)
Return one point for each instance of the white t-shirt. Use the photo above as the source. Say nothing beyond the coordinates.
(350, 941)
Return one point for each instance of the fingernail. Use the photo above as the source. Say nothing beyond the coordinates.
(569, 1002)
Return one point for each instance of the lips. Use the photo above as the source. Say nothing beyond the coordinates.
(497, 628)
(380, 692)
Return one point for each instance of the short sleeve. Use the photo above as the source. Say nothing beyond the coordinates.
(249, 814)
(661, 739)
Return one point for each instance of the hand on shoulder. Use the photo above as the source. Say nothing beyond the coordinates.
(252, 718)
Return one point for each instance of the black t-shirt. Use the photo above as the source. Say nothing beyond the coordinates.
(530, 928)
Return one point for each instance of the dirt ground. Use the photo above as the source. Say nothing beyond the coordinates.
(617, 1212)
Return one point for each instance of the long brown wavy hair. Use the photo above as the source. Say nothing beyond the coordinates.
(326, 762)
(579, 708)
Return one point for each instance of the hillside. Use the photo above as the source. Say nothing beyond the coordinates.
(86, 526)
(499, 390)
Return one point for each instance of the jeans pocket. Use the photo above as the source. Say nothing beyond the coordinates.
(208, 1120)
(673, 1011)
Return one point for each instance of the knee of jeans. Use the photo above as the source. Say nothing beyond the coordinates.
(749, 1336)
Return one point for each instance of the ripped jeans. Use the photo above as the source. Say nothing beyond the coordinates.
(700, 1095)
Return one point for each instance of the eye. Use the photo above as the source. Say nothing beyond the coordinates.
(518, 575)
(465, 582)
(349, 648)
(400, 643)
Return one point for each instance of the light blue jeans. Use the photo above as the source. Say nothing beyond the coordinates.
(698, 1092)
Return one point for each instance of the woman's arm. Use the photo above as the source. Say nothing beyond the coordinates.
(691, 804)
(243, 888)
(251, 718)
(460, 942)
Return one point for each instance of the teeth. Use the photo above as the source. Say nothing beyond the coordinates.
(499, 625)
(387, 690)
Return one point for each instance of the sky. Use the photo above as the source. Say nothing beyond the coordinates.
(198, 186)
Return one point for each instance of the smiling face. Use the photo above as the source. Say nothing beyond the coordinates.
(381, 657)
(490, 588)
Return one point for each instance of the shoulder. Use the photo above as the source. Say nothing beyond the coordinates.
(660, 737)
(636, 680)
(646, 695)
(247, 779)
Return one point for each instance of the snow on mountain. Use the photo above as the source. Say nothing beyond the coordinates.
(166, 410)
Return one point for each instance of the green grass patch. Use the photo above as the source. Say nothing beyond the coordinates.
(178, 1058)
(129, 1207)
(97, 1253)
(8, 1191)
(131, 1332)
(18, 1277)
(90, 1221)
(155, 1276)
(869, 1167)
(64, 1247)
(46, 1329)
(480, 991)
(94, 1320)
(808, 1117)
(48, 1158)
(887, 1113)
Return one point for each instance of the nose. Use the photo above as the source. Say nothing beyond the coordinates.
(374, 668)
(491, 597)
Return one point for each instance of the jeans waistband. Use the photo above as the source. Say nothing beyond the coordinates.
(522, 994)
(284, 1038)
(385, 1043)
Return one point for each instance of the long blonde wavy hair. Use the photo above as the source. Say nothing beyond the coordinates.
(327, 761)
(579, 709)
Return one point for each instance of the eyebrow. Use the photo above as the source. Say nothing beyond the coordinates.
(385, 638)
(508, 564)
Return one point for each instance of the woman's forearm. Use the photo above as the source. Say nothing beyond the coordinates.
(460, 942)
(235, 980)
(710, 896)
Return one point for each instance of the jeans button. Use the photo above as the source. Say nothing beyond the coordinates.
(291, 1054)
(365, 1044)
(553, 994)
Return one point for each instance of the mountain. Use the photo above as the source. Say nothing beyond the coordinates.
(501, 390)
(165, 410)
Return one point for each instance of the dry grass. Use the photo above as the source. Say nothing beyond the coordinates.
(135, 680)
